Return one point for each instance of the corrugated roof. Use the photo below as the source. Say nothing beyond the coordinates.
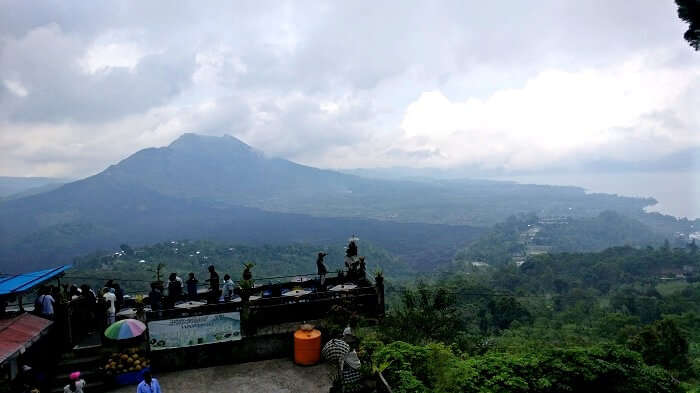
(19, 333)
(23, 282)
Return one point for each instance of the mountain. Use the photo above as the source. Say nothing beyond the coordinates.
(202, 187)
(193, 189)
(11, 186)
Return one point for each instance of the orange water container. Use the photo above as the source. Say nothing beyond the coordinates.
(307, 345)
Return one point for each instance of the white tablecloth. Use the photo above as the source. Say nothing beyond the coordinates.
(296, 292)
(345, 287)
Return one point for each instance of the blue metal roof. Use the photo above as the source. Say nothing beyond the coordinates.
(23, 282)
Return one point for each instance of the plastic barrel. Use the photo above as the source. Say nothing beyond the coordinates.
(307, 347)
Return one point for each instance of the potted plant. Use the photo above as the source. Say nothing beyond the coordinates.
(157, 272)
(247, 274)
(246, 289)
(379, 276)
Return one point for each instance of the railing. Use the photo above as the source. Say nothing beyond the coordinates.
(273, 310)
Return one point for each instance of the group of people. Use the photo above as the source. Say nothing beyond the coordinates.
(90, 311)
(166, 295)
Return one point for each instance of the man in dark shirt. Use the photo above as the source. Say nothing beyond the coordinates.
(120, 295)
(174, 289)
(192, 287)
(155, 296)
(213, 285)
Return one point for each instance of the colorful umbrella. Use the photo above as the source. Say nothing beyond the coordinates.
(125, 329)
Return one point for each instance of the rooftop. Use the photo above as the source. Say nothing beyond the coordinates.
(269, 376)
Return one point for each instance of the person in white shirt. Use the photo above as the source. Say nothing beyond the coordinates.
(111, 299)
(228, 288)
(44, 303)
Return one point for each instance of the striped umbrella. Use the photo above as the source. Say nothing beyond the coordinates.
(125, 329)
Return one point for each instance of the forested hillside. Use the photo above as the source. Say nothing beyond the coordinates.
(527, 234)
(622, 320)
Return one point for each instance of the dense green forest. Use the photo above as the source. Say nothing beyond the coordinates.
(621, 320)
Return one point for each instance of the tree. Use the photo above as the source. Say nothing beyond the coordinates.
(424, 314)
(689, 12)
(506, 310)
(663, 343)
(693, 248)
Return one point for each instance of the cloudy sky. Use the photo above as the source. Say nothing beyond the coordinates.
(512, 85)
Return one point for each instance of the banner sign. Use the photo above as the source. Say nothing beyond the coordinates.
(199, 330)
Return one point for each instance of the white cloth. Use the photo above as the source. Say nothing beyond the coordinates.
(111, 299)
(79, 385)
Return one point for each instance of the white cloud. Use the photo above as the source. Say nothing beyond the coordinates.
(16, 88)
(558, 114)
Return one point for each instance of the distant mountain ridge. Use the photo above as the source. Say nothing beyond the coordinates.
(202, 187)
(12, 186)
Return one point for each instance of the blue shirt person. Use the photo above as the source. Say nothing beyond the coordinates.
(148, 385)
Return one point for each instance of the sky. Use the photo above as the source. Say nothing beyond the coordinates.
(508, 85)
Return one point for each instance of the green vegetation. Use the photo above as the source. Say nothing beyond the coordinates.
(525, 234)
(609, 321)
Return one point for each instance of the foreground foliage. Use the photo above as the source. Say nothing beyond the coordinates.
(437, 368)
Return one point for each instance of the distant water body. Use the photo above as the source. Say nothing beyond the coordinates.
(678, 193)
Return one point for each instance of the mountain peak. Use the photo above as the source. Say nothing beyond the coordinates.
(191, 138)
(192, 143)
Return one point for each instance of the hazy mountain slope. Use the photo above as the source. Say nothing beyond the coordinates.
(196, 187)
(91, 214)
(226, 170)
(16, 185)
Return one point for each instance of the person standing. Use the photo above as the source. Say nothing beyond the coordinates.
(155, 297)
(174, 289)
(213, 280)
(228, 287)
(44, 303)
(119, 292)
(321, 267)
(192, 287)
(111, 300)
(148, 385)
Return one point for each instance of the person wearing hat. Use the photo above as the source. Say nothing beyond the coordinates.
(76, 384)
(321, 267)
